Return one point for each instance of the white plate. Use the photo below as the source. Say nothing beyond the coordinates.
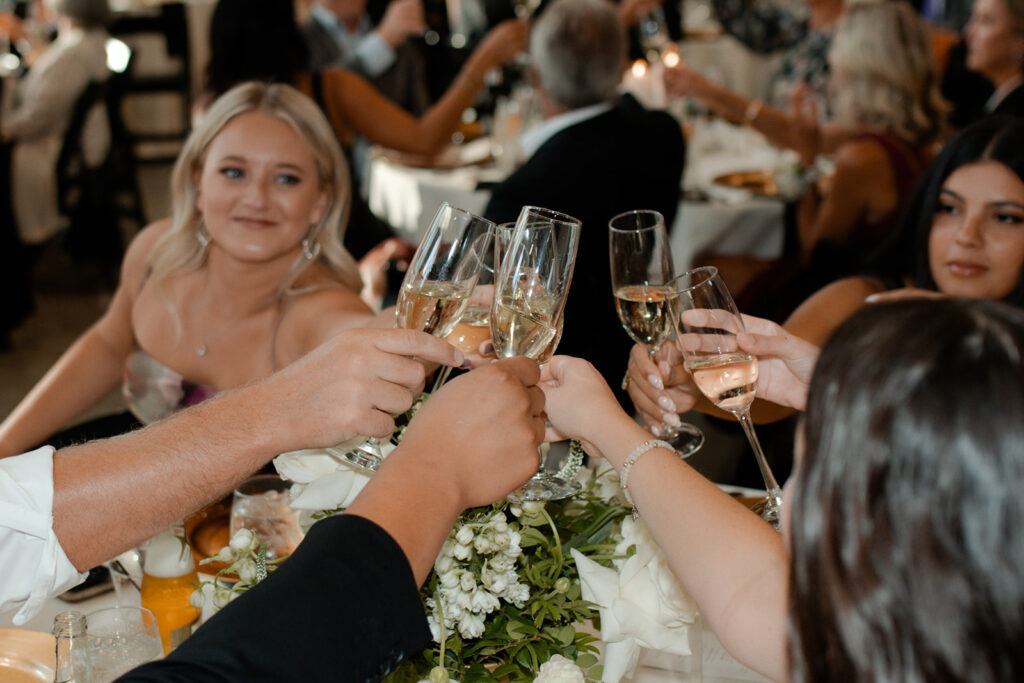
(26, 656)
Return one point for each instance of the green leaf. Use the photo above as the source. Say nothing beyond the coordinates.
(586, 661)
(565, 635)
(532, 536)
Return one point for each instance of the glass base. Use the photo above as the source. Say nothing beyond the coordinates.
(686, 439)
(770, 510)
(361, 456)
(544, 486)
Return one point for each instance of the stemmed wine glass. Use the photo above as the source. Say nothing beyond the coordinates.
(724, 373)
(474, 327)
(529, 303)
(641, 264)
(435, 291)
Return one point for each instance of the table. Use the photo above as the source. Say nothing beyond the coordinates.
(731, 223)
(655, 667)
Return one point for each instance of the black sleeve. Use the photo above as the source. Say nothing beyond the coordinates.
(343, 607)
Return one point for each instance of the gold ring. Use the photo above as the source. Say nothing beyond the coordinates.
(625, 382)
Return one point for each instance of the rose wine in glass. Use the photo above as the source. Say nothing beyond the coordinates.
(724, 373)
(641, 268)
(529, 302)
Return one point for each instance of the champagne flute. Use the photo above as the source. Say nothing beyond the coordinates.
(529, 303)
(641, 264)
(724, 373)
(434, 293)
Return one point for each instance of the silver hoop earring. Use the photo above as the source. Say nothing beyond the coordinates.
(202, 236)
(310, 248)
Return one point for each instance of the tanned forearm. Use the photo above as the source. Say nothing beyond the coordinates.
(112, 494)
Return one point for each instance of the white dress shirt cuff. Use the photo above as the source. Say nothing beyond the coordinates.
(374, 54)
(35, 565)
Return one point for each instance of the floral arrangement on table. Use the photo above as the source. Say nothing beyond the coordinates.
(518, 592)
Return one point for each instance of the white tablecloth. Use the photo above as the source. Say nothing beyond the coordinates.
(407, 197)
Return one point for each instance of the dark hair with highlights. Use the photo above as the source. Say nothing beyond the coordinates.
(907, 510)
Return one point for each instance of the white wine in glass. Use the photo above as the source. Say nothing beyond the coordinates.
(641, 268)
(724, 373)
(436, 289)
(529, 302)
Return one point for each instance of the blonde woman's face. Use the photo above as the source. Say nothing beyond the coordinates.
(258, 190)
(976, 244)
(993, 46)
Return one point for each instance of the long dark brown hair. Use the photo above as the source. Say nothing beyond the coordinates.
(907, 512)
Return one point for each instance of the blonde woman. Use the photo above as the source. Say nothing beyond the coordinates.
(247, 275)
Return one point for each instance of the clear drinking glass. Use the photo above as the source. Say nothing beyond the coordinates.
(260, 504)
(529, 304)
(120, 639)
(474, 327)
(724, 373)
(641, 265)
(436, 290)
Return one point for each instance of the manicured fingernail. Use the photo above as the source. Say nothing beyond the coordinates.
(466, 364)
(664, 367)
(656, 381)
(871, 298)
(460, 359)
(671, 419)
(656, 430)
(486, 348)
(667, 403)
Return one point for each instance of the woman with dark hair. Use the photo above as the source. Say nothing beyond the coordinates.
(963, 236)
(268, 45)
(902, 561)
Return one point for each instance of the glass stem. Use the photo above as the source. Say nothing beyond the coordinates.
(748, 427)
(442, 377)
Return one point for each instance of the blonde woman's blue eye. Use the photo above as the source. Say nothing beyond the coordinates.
(288, 179)
(231, 172)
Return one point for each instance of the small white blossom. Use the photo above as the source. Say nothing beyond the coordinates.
(225, 554)
(471, 626)
(438, 675)
(467, 582)
(221, 596)
(463, 601)
(516, 510)
(464, 535)
(448, 549)
(483, 545)
(196, 599)
(246, 570)
(443, 563)
(243, 540)
(558, 669)
(484, 602)
(533, 507)
(463, 552)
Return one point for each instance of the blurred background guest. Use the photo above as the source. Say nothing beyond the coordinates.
(995, 49)
(36, 112)
(595, 155)
(340, 33)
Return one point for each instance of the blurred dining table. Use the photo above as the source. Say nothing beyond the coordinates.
(732, 220)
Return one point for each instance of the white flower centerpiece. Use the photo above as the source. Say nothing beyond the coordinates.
(518, 591)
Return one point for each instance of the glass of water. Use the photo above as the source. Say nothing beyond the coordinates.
(120, 639)
(260, 504)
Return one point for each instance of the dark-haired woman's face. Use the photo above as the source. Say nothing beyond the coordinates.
(976, 245)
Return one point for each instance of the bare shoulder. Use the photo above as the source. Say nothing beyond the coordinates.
(312, 318)
(826, 309)
(133, 268)
(860, 156)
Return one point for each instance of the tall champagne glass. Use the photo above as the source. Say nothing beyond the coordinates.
(641, 265)
(528, 308)
(724, 373)
(435, 291)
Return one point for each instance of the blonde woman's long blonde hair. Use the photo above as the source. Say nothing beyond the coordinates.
(890, 79)
(183, 248)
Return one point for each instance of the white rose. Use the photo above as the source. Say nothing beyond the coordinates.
(558, 669)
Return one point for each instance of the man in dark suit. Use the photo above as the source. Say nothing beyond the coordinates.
(595, 155)
(340, 33)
